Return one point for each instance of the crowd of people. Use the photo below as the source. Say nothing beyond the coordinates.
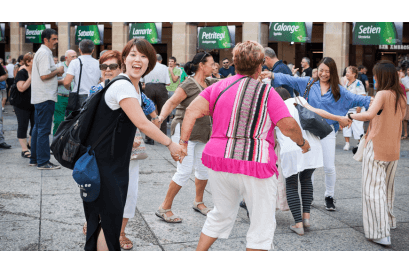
(233, 147)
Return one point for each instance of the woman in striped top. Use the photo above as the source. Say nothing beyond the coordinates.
(240, 153)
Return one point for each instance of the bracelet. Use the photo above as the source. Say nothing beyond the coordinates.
(183, 142)
(157, 117)
(302, 143)
(349, 116)
(169, 143)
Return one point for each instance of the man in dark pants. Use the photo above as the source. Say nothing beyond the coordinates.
(154, 85)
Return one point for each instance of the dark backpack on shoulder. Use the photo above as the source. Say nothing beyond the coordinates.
(69, 141)
(15, 98)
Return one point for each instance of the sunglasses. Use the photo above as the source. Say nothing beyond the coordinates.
(225, 62)
(204, 56)
(111, 66)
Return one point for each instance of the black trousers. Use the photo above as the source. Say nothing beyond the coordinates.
(23, 117)
(293, 198)
(158, 93)
(9, 82)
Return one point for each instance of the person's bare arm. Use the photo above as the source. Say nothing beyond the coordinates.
(377, 105)
(367, 85)
(24, 85)
(343, 121)
(171, 103)
(174, 77)
(4, 77)
(58, 71)
(67, 81)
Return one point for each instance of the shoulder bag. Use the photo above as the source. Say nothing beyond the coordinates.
(74, 97)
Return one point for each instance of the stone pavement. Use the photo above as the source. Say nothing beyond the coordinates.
(42, 210)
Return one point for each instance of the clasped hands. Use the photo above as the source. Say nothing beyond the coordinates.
(345, 122)
(180, 154)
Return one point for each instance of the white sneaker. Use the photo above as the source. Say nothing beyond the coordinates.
(384, 241)
(346, 147)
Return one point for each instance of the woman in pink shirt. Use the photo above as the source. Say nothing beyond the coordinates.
(240, 153)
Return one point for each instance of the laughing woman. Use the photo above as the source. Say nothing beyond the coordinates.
(327, 94)
(121, 106)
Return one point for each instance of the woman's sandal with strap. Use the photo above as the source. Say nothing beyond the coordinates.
(161, 213)
(202, 211)
(125, 241)
(26, 154)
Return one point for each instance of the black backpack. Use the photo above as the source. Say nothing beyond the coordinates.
(15, 97)
(69, 141)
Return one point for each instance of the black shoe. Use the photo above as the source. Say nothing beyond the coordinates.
(51, 152)
(48, 166)
(243, 205)
(150, 142)
(4, 145)
(329, 203)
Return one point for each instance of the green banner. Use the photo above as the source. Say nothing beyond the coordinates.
(152, 32)
(94, 33)
(297, 32)
(33, 33)
(216, 37)
(377, 33)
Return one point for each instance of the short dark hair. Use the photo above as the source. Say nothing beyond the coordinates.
(284, 94)
(225, 59)
(46, 34)
(87, 46)
(62, 58)
(173, 58)
(361, 67)
(20, 58)
(144, 47)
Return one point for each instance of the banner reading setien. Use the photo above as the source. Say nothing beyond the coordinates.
(216, 37)
(377, 33)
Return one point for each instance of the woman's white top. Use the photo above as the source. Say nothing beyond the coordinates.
(357, 88)
(120, 90)
(293, 160)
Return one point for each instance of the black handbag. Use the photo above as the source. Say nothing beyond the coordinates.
(74, 97)
(311, 121)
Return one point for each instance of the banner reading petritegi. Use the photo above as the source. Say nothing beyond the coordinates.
(297, 32)
(152, 32)
(33, 33)
(2, 33)
(377, 33)
(94, 33)
(216, 37)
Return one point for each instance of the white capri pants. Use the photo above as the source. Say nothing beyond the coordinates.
(328, 152)
(131, 197)
(192, 160)
(260, 195)
(357, 127)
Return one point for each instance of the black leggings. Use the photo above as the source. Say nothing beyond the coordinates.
(23, 117)
(293, 198)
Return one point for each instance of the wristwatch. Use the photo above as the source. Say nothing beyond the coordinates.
(349, 116)
(157, 117)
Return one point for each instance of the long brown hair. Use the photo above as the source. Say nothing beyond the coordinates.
(334, 79)
(387, 79)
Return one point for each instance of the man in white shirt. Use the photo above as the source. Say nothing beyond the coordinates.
(44, 95)
(10, 77)
(155, 88)
(90, 75)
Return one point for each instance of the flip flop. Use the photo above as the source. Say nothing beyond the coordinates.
(26, 154)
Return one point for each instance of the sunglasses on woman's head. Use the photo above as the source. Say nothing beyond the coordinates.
(111, 66)
(204, 56)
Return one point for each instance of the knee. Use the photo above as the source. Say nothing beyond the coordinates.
(329, 170)
(181, 178)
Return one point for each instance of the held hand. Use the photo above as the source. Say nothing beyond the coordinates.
(294, 70)
(265, 74)
(345, 122)
(176, 151)
(60, 70)
(306, 148)
(160, 119)
(156, 122)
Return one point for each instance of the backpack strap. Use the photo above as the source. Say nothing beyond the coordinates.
(307, 89)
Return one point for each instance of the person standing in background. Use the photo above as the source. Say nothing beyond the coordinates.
(226, 70)
(3, 144)
(19, 64)
(62, 92)
(363, 78)
(306, 69)
(154, 85)
(44, 95)
(90, 76)
(174, 75)
(10, 77)
(55, 60)
(405, 82)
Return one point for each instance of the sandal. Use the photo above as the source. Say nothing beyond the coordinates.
(161, 213)
(84, 229)
(202, 211)
(26, 154)
(404, 137)
(125, 241)
(28, 146)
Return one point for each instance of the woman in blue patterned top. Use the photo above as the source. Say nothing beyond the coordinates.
(110, 65)
(327, 94)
